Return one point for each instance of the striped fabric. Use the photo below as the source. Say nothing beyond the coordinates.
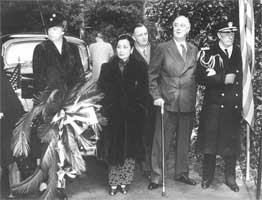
(247, 37)
(15, 79)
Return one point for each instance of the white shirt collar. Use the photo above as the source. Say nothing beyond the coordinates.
(141, 49)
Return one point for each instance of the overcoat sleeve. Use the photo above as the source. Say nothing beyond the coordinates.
(39, 62)
(154, 72)
(106, 84)
(78, 73)
(143, 89)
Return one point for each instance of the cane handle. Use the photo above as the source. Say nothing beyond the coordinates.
(162, 108)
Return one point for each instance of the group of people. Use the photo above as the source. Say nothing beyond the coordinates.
(141, 79)
(138, 81)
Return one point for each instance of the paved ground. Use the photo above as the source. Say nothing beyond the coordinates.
(92, 186)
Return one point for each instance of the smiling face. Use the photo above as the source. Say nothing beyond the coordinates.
(140, 35)
(124, 49)
(181, 28)
(55, 33)
(226, 38)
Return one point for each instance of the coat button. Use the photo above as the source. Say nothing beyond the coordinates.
(222, 106)
(237, 71)
(236, 94)
(236, 106)
(222, 94)
(237, 83)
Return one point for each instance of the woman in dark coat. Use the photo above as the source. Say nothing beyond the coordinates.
(56, 65)
(220, 71)
(125, 85)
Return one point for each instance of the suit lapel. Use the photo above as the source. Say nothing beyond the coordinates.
(176, 57)
(138, 56)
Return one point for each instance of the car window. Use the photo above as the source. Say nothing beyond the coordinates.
(20, 52)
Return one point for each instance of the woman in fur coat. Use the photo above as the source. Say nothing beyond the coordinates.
(125, 85)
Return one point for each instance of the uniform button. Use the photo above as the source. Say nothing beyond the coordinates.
(222, 106)
(222, 94)
(237, 71)
(237, 83)
(236, 94)
(236, 106)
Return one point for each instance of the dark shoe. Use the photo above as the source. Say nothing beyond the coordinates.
(233, 186)
(205, 184)
(153, 186)
(123, 190)
(112, 191)
(185, 179)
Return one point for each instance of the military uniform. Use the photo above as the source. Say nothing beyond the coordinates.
(219, 69)
(219, 129)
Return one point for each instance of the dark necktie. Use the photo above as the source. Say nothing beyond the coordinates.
(226, 51)
(183, 52)
(144, 53)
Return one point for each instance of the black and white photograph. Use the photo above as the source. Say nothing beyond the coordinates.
(131, 99)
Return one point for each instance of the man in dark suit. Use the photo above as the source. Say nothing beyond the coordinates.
(143, 51)
(172, 84)
(220, 70)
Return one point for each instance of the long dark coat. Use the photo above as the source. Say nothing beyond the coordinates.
(12, 109)
(124, 106)
(52, 69)
(219, 128)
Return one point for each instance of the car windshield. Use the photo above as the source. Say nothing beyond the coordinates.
(20, 52)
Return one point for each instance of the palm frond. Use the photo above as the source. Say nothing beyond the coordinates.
(46, 132)
(30, 184)
(73, 154)
(53, 104)
(49, 155)
(22, 132)
(50, 192)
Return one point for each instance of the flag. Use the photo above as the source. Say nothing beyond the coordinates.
(15, 78)
(247, 39)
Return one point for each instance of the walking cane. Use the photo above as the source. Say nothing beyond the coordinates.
(163, 151)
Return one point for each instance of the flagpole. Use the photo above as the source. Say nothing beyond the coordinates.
(247, 39)
(248, 153)
(259, 170)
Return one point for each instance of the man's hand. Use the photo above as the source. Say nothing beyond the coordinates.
(159, 102)
(230, 78)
